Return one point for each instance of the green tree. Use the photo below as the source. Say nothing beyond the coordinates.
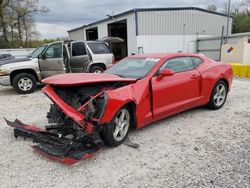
(241, 15)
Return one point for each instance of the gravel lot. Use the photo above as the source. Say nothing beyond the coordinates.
(197, 148)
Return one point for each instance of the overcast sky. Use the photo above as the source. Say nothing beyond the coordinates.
(64, 15)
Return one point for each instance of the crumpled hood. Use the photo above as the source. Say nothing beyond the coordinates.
(76, 79)
(15, 60)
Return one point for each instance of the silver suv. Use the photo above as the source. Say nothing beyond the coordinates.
(55, 58)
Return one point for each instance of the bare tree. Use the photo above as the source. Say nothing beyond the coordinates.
(24, 11)
(212, 8)
(244, 7)
(3, 25)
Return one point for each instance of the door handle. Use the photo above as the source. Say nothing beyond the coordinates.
(194, 76)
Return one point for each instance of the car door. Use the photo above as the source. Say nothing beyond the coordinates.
(79, 57)
(178, 92)
(51, 61)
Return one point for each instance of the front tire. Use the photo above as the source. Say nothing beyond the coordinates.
(24, 83)
(218, 96)
(115, 133)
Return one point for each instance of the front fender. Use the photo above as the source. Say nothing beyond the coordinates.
(116, 100)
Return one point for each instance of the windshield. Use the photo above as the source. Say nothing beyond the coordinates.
(38, 51)
(133, 67)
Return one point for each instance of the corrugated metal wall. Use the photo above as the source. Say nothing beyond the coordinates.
(176, 30)
(167, 43)
(102, 27)
(180, 22)
(76, 34)
(131, 31)
(163, 30)
(211, 46)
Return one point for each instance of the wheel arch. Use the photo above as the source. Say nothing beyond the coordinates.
(214, 84)
(16, 72)
(210, 104)
(113, 108)
(226, 82)
(100, 64)
(132, 106)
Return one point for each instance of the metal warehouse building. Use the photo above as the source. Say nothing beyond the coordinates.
(155, 29)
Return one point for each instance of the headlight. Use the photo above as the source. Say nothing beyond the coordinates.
(3, 72)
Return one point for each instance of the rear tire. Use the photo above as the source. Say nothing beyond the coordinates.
(116, 131)
(218, 96)
(24, 83)
(96, 69)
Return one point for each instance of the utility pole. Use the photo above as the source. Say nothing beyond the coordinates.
(221, 40)
(228, 18)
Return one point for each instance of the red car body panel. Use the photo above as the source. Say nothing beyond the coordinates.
(155, 97)
(76, 79)
(159, 97)
(151, 98)
(138, 94)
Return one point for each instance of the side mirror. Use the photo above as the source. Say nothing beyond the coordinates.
(167, 72)
(41, 56)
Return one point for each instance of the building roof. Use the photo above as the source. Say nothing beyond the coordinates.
(164, 55)
(148, 9)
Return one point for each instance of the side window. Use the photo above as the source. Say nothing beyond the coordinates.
(196, 61)
(178, 64)
(99, 48)
(54, 51)
(78, 49)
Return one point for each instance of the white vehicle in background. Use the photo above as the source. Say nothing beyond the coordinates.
(4, 57)
(55, 58)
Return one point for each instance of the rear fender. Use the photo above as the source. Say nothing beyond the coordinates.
(212, 74)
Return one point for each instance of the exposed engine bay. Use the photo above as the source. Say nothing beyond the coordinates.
(75, 135)
(89, 100)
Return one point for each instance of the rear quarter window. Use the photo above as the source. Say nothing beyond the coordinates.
(196, 61)
(178, 64)
(99, 48)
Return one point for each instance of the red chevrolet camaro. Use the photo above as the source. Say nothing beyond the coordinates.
(135, 92)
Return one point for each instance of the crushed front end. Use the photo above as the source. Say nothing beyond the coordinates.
(73, 129)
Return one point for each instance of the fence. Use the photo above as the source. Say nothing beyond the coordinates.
(17, 53)
(211, 46)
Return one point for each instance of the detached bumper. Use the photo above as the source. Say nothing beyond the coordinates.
(5, 80)
(54, 146)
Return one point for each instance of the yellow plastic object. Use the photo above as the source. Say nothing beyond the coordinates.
(241, 70)
(236, 69)
(248, 74)
(244, 70)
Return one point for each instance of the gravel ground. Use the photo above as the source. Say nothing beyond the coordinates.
(197, 148)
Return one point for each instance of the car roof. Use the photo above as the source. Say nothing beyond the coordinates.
(164, 55)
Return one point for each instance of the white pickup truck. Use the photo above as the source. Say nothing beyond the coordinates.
(55, 58)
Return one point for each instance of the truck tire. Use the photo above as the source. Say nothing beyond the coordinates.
(96, 69)
(24, 83)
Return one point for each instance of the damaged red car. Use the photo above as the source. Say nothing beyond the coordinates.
(91, 109)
